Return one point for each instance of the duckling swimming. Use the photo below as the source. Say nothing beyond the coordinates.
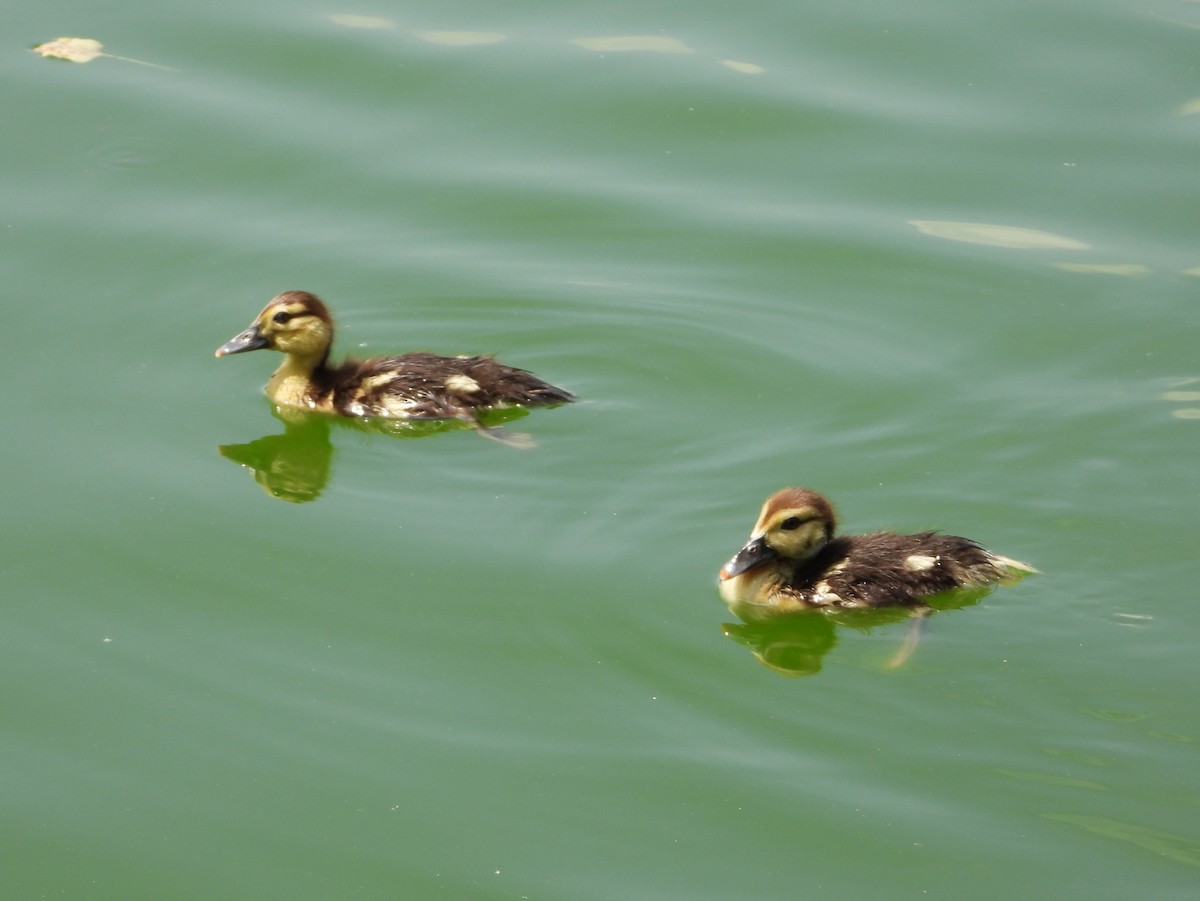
(410, 386)
(793, 562)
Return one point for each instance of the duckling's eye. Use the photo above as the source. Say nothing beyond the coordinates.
(282, 316)
(792, 522)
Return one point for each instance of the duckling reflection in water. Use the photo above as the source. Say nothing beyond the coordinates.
(794, 562)
(797, 644)
(295, 466)
(416, 386)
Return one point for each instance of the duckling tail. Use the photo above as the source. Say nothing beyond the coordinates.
(1012, 571)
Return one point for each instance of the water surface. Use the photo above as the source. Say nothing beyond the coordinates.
(457, 670)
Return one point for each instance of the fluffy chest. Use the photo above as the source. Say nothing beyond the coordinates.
(779, 588)
(290, 387)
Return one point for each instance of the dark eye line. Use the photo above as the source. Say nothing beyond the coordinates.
(793, 522)
(282, 316)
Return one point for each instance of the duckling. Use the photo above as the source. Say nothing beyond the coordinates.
(793, 562)
(411, 386)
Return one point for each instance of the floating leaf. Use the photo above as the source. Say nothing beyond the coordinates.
(461, 38)
(75, 50)
(1010, 236)
(1195, 270)
(84, 50)
(1126, 269)
(623, 43)
(1190, 108)
(747, 68)
(352, 21)
(1186, 413)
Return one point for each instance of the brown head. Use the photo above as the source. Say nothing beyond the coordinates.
(794, 524)
(294, 322)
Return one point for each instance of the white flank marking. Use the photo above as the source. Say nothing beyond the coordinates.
(463, 384)
(919, 563)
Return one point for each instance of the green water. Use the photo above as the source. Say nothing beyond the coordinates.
(464, 671)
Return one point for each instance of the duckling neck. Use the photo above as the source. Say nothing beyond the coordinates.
(291, 385)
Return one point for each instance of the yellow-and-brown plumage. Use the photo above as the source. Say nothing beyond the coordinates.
(409, 386)
(793, 562)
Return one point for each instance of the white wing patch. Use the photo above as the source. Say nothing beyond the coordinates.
(919, 563)
(823, 594)
(462, 384)
(398, 407)
(370, 384)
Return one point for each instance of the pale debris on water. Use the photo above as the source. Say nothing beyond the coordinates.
(352, 21)
(633, 42)
(84, 50)
(1191, 108)
(462, 38)
(1178, 396)
(1010, 236)
(745, 68)
(625, 43)
(1125, 269)
(75, 50)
